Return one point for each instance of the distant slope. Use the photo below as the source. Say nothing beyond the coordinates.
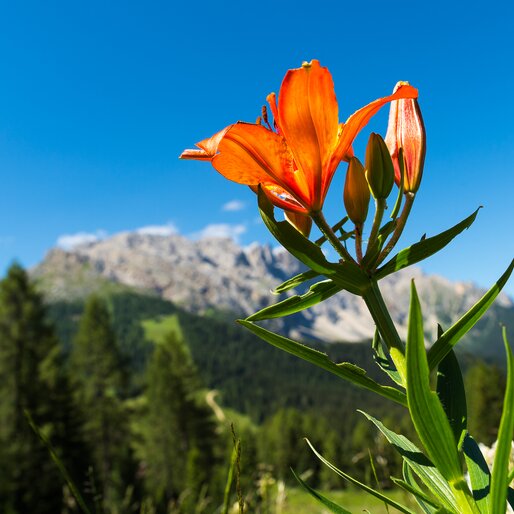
(218, 277)
(252, 377)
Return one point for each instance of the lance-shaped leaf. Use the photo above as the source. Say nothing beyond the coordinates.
(426, 410)
(329, 504)
(295, 281)
(500, 474)
(296, 243)
(377, 494)
(316, 294)
(423, 499)
(349, 276)
(428, 414)
(346, 370)
(423, 249)
(479, 474)
(384, 361)
(420, 464)
(452, 336)
(450, 389)
(428, 506)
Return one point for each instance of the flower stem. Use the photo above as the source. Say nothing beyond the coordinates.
(380, 314)
(380, 205)
(358, 242)
(400, 225)
(327, 231)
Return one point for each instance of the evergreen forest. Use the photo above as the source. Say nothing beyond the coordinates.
(125, 403)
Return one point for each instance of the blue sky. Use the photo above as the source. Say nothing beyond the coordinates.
(98, 99)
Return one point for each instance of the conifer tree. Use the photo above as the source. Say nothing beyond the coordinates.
(98, 383)
(486, 386)
(177, 430)
(29, 481)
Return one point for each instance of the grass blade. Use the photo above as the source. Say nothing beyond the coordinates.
(377, 494)
(500, 474)
(329, 504)
(60, 465)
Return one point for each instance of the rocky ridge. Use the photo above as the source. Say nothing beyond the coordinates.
(218, 274)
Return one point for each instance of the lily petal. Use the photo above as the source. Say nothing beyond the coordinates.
(281, 198)
(207, 147)
(359, 119)
(251, 154)
(308, 119)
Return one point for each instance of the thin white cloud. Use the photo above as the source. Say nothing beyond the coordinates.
(221, 230)
(233, 206)
(70, 241)
(158, 230)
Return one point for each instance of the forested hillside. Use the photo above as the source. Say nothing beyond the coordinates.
(136, 397)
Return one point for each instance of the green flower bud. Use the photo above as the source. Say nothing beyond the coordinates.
(356, 192)
(379, 167)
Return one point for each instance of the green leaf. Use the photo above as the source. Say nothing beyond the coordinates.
(423, 249)
(347, 274)
(295, 281)
(384, 361)
(450, 389)
(426, 410)
(428, 414)
(331, 506)
(297, 244)
(428, 506)
(377, 494)
(479, 474)
(347, 371)
(500, 474)
(417, 492)
(316, 293)
(453, 335)
(420, 464)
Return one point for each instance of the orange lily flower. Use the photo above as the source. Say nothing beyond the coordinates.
(294, 163)
(406, 131)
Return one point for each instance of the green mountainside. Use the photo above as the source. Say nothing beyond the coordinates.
(250, 376)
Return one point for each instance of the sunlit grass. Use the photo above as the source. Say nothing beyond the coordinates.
(300, 502)
(157, 329)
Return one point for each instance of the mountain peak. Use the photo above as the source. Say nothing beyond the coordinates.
(219, 274)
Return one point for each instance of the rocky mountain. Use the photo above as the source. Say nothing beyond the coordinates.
(219, 275)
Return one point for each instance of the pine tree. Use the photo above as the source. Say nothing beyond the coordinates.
(485, 387)
(29, 481)
(98, 382)
(177, 429)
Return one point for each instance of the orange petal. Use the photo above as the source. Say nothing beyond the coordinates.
(358, 120)
(208, 147)
(308, 119)
(252, 154)
(282, 199)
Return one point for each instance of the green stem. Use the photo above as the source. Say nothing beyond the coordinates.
(334, 229)
(380, 314)
(380, 205)
(326, 230)
(400, 225)
(358, 242)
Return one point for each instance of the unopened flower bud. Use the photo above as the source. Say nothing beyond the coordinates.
(379, 167)
(406, 131)
(301, 222)
(356, 192)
